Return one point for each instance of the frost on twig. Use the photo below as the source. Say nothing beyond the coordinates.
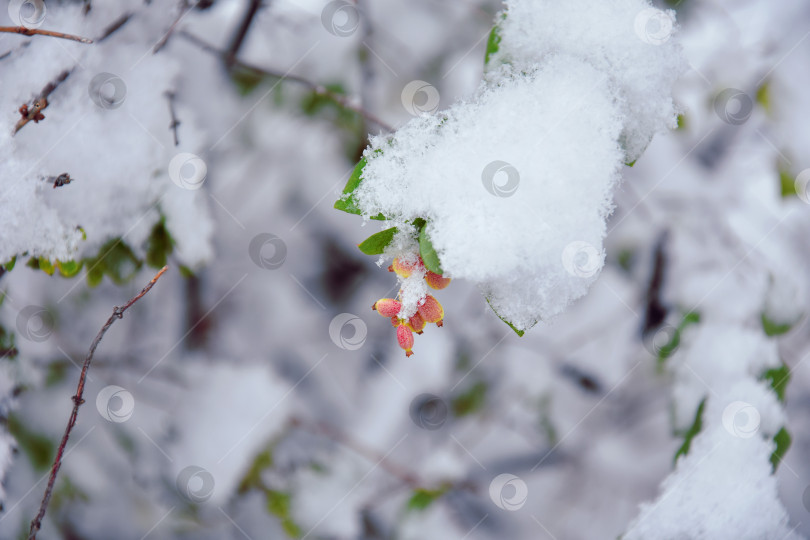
(118, 313)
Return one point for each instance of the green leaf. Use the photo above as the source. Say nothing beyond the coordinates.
(46, 266)
(631, 163)
(9, 266)
(253, 478)
(782, 440)
(772, 328)
(376, 243)
(346, 202)
(493, 43)
(279, 504)
(512, 326)
(68, 268)
(37, 447)
(787, 185)
(470, 401)
(95, 275)
(666, 351)
(116, 260)
(422, 498)
(693, 430)
(681, 122)
(159, 245)
(763, 96)
(428, 253)
(778, 379)
(245, 80)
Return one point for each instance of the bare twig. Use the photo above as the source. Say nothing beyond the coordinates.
(318, 89)
(35, 111)
(175, 122)
(325, 430)
(241, 33)
(118, 313)
(37, 32)
(114, 27)
(185, 6)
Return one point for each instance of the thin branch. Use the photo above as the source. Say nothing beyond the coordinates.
(37, 32)
(175, 122)
(325, 430)
(185, 6)
(118, 313)
(35, 112)
(318, 89)
(114, 27)
(241, 33)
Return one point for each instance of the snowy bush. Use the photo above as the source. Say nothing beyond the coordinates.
(623, 184)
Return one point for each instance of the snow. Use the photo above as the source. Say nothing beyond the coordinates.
(510, 203)
(114, 103)
(581, 411)
(725, 487)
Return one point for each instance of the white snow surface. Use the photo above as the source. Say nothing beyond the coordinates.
(510, 201)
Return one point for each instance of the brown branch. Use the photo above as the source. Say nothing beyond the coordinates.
(118, 313)
(175, 122)
(241, 33)
(114, 27)
(318, 89)
(37, 32)
(35, 112)
(185, 6)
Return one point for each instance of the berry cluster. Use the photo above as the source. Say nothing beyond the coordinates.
(428, 309)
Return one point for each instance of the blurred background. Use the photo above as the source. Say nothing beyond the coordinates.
(253, 393)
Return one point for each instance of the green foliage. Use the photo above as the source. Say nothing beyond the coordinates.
(428, 253)
(9, 266)
(422, 498)
(56, 373)
(245, 79)
(376, 243)
(681, 122)
(778, 379)
(39, 448)
(783, 441)
(493, 43)
(470, 401)
(512, 326)
(253, 478)
(631, 163)
(787, 185)
(159, 245)
(667, 349)
(693, 430)
(763, 96)
(626, 258)
(68, 268)
(279, 505)
(41, 263)
(347, 202)
(66, 492)
(115, 260)
(772, 328)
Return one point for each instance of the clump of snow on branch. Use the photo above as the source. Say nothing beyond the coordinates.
(516, 182)
(113, 106)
